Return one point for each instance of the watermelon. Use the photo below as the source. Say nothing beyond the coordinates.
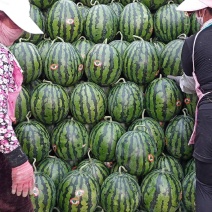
(34, 139)
(153, 128)
(190, 103)
(43, 4)
(117, 7)
(170, 58)
(178, 133)
(96, 168)
(78, 191)
(83, 46)
(190, 166)
(100, 24)
(189, 187)
(170, 164)
(29, 58)
(45, 197)
(163, 99)
(136, 151)
(83, 10)
(161, 191)
(88, 103)
(37, 16)
(22, 106)
(31, 86)
(63, 64)
(55, 168)
(125, 101)
(103, 64)
(64, 20)
(69, 140)
(120, 192)
(195, 26)
(159, 46)
(49, 103)
(140, 62)
(154, 5)
(169, 23)
(136, 19)
(103, 139)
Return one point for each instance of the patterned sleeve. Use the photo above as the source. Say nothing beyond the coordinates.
(8, 139)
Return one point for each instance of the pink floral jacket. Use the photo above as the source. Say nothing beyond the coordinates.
(11, 79)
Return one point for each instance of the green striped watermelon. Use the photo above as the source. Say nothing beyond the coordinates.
(125, 101)
(190, 166)
(69, 140)
(170, 164)
(37, 16)
(31, 86)
(64, 20)
(88, 103)
(49, 103)
(83, 46)
(83, 10)
(63, 64)
(100, 24)
(189, 188)
(117, 7)
(136, 19)
(190, 102)
(29, 58)
(43, 4)
(159, 46)
(55, 168)
(169, 23)
(140, 62)
(22, 106)
(163, 99)
(161, 191)
(96, 168)
(103, 65)
(195, 26)
(170, 58)
(45, 199)
(154, 5)
(103, 139)
(34, 139)
(178, 133)
(120, 192)
(153, 128)
(137, 152)
(79, 191)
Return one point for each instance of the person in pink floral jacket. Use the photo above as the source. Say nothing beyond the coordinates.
(16, 173)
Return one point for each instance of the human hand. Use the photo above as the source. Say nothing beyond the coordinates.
(175, 78)
(23, 180)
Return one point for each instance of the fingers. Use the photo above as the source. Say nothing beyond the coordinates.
(14, 187)
(26, 189)
(19, 189)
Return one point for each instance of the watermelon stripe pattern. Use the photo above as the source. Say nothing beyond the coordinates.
(103, 139)
(120, 45)
(49, 103)
(34, 139)
(64, 20)
(29, 58)
(79, 191)
(160, 191)
(178, 133)
(136, 19)
(70, 140)
(125, 102)
(136, 151)
(46, 199)
(88, 103)
(170, 58)
(63, 64)
(140, 62)
(43, 4)
(163, 99)
(100, 24)
(103, 65)
(176, 23)
(120, 192)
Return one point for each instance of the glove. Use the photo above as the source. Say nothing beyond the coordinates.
(23, 179)
(175, 78)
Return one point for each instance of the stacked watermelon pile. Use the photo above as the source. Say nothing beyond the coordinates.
(104, 127)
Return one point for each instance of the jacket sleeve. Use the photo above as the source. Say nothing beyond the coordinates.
(9, 144)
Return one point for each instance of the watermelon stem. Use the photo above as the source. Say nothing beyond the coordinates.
(182, 36)
(28, 116)
(81, 37)
(108, 118)
(100, 207)
(121, 79)
(33, 164)
(47, 81)
(119, 32)
(139, 38)
(164, 154)
(170, 2)
(105, 41)
(23, 39)
(55, 208)
(57, 38)
(142, 116)
(122, 167)
(139, 125)
(93, 4)
(185, 112)
(80, 4)
(89, 156)
(160, 76)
